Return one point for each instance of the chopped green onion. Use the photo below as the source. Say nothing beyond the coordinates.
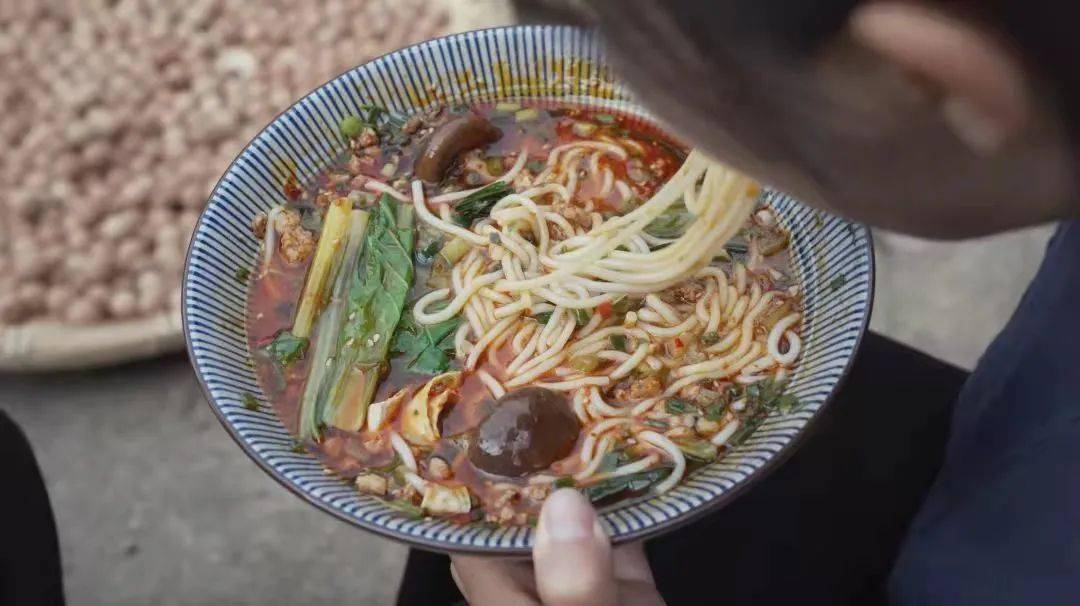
(526, 115)
(494, 165)
(351, 127)
(286, 348)
(697, 449)
(710, 338)
(581, 317)
(585, 363)
(543, 317)
(477, 205)
(715, 412)
(679, 406)
(563, 482)
(583, 129)
(618, 342)
(604, 118)
(250, 402)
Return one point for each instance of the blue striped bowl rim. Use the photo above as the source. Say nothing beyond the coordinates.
(832, 257)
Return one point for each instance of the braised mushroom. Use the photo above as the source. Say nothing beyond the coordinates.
(450, 140)
(528, 430)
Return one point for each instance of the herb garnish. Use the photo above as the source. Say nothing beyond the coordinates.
(286, 348)
(837, 282)
(429, 349)
(618, 342)
(671, 224)
(477, 205)
(250, 402)
(564, 482)
(679, 406)
(634, 482)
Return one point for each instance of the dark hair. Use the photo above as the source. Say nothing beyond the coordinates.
(1041, 31)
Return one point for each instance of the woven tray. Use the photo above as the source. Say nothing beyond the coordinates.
(55, 346)
(51, 345)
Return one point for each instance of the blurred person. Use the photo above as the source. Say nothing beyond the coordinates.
(29, 549)
(920, 485)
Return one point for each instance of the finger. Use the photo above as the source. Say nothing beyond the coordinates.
(631, 564)
(572, 556)
(636, 585)
(494, 582)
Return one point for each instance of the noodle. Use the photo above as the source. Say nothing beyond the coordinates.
(647, 302)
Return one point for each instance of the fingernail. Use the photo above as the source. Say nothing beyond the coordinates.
(982, 133)
(567, 516)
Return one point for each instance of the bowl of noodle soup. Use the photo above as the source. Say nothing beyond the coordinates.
(472, 271)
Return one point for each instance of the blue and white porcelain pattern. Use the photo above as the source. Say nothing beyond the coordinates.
(833, 259)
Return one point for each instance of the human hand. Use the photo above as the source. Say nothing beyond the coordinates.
(573, 564)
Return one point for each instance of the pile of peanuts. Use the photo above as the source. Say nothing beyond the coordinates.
(120, 115)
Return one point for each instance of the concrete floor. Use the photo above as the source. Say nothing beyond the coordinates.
(156, 505)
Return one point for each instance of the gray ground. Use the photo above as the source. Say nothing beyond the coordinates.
(156, 505)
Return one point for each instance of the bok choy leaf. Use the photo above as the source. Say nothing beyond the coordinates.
(379, 285)
(344, 267)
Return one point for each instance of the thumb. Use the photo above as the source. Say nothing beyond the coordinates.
(572, 556)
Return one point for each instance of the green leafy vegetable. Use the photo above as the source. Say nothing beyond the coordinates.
(494, 165)
(618, 342)
(375, 303)
(250, 402)
(611, 460)
(624, 304)
(342, 268)
(379, 282)
(286, 348)
(477, 205)
(241, 274)
(837, 282)
(679, 406)
(564, 482)
(410, 511)
(710, 338)
(787, 403)
(745, 430)
(671, 224)
(428, 349)
(581, 317)
(634, 482)
(697, 449)
(656, 423)
(715, 412)
(351, 126)
(374, 117)
(543, 317)
(327, 258)
(427, 254)
(762, 398)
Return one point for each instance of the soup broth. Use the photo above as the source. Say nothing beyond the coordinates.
(479, 416)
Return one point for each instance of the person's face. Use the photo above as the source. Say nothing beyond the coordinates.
(909, 119)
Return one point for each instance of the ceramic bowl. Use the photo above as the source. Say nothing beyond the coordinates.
(832, 258)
